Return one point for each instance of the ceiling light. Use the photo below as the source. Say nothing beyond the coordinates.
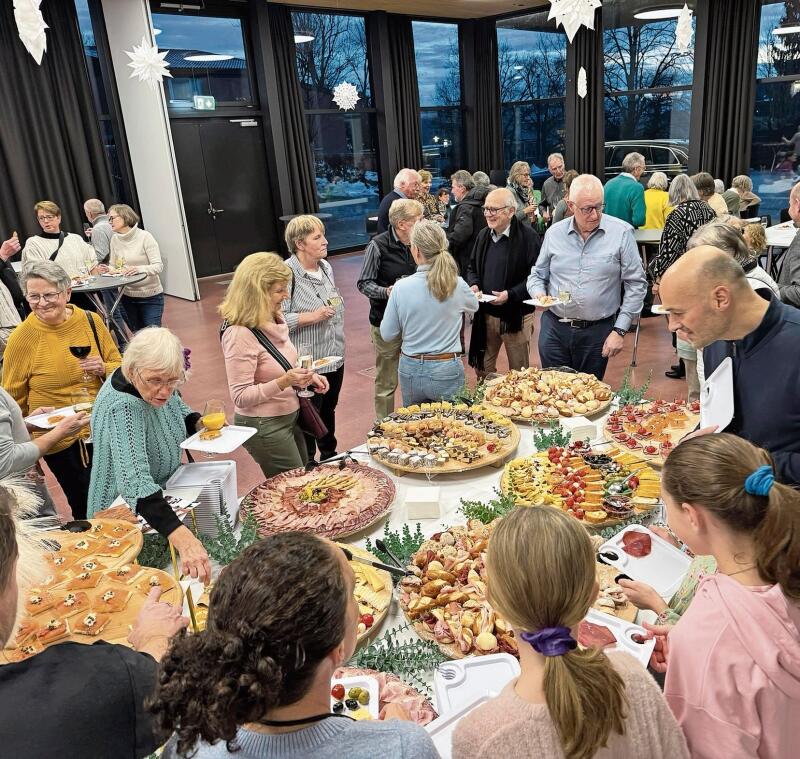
(302, 37)
(658, 14)
(787, 29)
(207, 57)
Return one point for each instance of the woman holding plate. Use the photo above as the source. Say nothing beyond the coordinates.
(315, 315)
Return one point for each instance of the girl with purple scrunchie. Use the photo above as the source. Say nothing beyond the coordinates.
(568, 701)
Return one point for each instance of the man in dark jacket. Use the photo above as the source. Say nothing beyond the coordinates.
(712, 306)
(466, 218)
(406, 186)
(9, 277)
(502, 257)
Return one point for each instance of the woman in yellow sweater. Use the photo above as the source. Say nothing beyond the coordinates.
(40, 370)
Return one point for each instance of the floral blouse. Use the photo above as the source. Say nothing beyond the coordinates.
(679, 603)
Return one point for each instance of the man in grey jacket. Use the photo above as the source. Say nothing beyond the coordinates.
(789, 270)
(100, 232)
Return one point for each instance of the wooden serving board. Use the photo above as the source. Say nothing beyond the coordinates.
(133, 539)
(385, 594)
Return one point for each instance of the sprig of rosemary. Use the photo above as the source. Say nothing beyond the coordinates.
(225, 547)
(470, 396)
(629, 393)
(402, 544)
(155, 551)
(488, 511)
(557, 436)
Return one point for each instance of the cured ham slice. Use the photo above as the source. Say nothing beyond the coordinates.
(591, 635)
(637, 544)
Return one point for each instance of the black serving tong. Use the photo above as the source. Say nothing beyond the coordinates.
(348, 457)
(382, 547)
(399, 571)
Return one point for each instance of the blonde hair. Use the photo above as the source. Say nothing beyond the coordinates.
(404, 209)
(154, 348)
(517, 170)
(129, 217)
(429, 239)
(541, 569)
(48, 207)
(246, 303)
(710, 472)
(425, 175)
(301, 227)
(755, 237)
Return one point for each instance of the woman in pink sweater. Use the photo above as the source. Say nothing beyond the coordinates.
(568, 702)
(262, 390)
(733, 659)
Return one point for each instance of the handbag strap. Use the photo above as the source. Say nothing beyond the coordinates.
(61, 237)
(265, 343)
(94, 332)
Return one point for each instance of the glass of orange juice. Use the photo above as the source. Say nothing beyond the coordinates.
(213, 415)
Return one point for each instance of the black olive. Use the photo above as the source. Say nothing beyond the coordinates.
(338, 707)
(352, 704)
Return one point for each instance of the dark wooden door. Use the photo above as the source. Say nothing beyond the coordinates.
(226, 194)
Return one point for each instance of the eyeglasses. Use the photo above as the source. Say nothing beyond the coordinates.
(493, 211)
(46, 297)
(111, 217)
(47, 218)
(586, 210)
(155, 384)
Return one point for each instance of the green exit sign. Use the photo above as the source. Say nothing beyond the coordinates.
(205, 103)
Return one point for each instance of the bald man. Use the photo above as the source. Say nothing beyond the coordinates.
(789, 271)
(504, 253)
(712, 306)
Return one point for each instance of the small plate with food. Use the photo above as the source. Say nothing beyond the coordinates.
(356, 697)
(327, 361)
(486, 298)
(228, 439)
(50, 420)
(545, 301)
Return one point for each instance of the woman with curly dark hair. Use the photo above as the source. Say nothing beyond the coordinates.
(282, 618)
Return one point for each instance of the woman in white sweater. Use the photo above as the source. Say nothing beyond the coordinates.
(135, 251)
(71, 252)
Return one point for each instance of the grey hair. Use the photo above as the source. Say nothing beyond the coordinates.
(553, 157)
(403, 209)
(516, 170)
(404, 176)
(723, 235)
(94, 206)
(584, 182)
(742, 182)
(464, 178)
(481, 179)
(49, 271)
(719, 186)
(509, 198)
(154, 348)
(681, 189)
(658, 181)
(633, 161)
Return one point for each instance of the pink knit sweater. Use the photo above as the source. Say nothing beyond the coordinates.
(509, 727)
(253, 373)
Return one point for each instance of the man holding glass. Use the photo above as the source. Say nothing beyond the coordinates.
(591, 265)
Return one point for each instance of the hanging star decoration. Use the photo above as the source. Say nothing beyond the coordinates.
(573, 14)
(30, 27)
(345, 95)
(582, 86)
(148, 64)
(683, 30)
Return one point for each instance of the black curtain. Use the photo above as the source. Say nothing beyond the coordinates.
(50, 146)
(585, 116)
(723, 118)
(482, 95)
(300, 163)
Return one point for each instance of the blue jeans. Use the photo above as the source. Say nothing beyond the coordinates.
(143, 312)
(425, 381)
(562, 344)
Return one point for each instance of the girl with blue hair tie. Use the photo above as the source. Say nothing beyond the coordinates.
(568, 701)
(733, 660)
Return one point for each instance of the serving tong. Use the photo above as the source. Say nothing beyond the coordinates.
(398, 570)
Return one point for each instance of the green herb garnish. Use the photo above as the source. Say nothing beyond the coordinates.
(225, 547)
(556, 436)
(629, 393)
(402, 544)
(488, 511)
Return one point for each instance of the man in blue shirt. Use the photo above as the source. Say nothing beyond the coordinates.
(593, 260)
(406, 187)
(625, 194)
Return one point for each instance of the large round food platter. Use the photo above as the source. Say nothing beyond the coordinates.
(442, 438)
(373, 592)
(329, 500)
(602, 487)
(545, 395)
(653, 428)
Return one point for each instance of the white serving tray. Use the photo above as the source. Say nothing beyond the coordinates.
(232, 437)
(441, 729)
(662, 569)
(456, 683)
(623, 632)
(40, 420)
(361, 681)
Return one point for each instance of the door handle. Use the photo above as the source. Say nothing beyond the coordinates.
(211, 211)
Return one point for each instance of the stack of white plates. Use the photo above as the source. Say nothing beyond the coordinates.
(218, 480)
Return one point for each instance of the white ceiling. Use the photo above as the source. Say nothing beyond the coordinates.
(445, 9)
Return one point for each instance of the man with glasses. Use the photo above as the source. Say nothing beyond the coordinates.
(503, 255)
(553, 187)
(466, 218)
(591, 264)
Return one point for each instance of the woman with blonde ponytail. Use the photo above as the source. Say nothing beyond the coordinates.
(426, 309)
(733, 659)
(568, 702)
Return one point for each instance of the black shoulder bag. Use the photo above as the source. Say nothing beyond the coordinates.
(61, 237)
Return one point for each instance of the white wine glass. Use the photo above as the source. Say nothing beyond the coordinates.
(564, 297)
(305, 360)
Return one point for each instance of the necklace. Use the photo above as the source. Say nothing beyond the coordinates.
(739, 571)
(258, 726)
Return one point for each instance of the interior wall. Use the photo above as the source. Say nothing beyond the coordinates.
(144, 112)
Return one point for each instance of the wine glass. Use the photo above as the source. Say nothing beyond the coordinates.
(120, 262)
(305, 360)
(80, 352)
(213, 418)
(564, 297)
(90, 262)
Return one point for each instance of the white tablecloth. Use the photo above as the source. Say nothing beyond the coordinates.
(781, 235)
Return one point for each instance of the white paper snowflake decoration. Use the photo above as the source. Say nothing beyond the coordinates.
(345, 95)
(582, 87)
(683, 30)
(573, 14)
(30, 27)
(148, 64)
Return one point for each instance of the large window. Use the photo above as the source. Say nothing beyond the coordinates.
(532, 61)
(332, 50)
(439, 80)
(648, 88)
(776, 119)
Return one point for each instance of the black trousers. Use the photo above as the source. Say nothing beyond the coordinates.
(561, 344)
(326, 405)
(73, 476)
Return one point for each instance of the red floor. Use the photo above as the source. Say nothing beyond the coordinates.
(197, 323)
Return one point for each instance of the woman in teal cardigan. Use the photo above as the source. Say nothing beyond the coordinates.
(138, 424)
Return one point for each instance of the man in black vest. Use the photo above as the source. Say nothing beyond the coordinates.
(503, 255)
(387, 259)
(405, 187)
(466, 218)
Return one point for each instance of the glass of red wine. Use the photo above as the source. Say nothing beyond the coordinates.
(80, 352)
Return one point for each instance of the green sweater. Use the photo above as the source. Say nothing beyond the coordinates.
(624, 198)
(136, 446)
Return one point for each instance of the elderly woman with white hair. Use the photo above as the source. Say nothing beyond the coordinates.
(748, 200)
(656, 201)
(139, 421)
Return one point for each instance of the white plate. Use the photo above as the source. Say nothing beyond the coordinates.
(441, 729)
(546, 304)
(657, 308)
(322, 362)
(366, 683)
(40, 420)
(487, 298)
(231, 438)
(624, 631)
(456, 683)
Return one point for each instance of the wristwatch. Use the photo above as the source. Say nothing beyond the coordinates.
(621, 332)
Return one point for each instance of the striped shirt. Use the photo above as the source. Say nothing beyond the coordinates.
(308, 293)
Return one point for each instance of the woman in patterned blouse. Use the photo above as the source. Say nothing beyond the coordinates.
(430, 205)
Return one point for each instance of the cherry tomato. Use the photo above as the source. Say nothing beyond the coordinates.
(367, 619)
(338, 692)
(580, 513)
(633, 482)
